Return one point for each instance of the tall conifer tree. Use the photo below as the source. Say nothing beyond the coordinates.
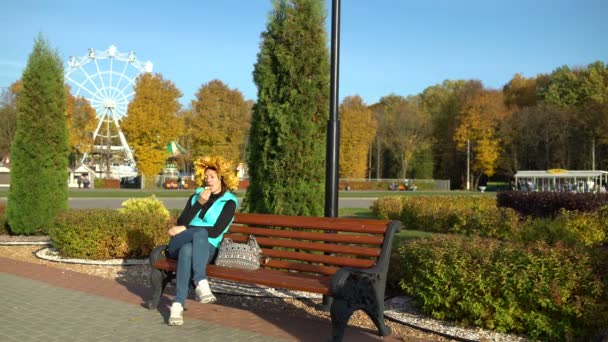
(39, 166)
(286, 157)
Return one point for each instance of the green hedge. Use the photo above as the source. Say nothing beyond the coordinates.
(549, 204)
(568, 227)
(480, 216)
(555, 293)
(469, 215)
(106, 234)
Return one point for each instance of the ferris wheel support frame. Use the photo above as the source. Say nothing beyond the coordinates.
(108, 93)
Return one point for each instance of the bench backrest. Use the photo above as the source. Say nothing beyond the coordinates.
(315, 245)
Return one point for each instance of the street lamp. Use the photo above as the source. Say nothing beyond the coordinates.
(333, 125)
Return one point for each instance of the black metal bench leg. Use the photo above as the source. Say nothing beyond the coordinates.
(159, 282)
(373, 306)
(340, 311)
(378, 318)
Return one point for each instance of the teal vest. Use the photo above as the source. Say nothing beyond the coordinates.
(212, 214)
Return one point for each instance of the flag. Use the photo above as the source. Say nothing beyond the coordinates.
(175, 149)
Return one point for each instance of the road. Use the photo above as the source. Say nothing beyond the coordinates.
(178, 203)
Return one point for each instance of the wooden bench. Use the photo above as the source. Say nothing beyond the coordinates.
(345, 259)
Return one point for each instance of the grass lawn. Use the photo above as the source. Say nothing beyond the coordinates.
(365, 213)
(127, 193)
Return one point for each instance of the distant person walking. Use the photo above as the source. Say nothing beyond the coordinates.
(86, 182)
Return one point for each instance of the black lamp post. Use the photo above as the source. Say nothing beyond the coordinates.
(332, 161)
(333, 124)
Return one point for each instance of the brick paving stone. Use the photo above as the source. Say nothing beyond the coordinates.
(35, 311)
(42, 303)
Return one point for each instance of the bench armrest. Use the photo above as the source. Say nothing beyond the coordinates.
(376, 275)
(157, 253)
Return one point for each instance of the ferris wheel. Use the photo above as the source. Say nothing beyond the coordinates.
(106, 80)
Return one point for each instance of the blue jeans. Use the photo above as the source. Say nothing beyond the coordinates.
(193, 252)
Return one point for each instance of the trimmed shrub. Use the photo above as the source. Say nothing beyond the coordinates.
(470, 215)
(568, 227)
(388, 207)
(106, 234)
(544, 292)
(549, 204)
(147, 205)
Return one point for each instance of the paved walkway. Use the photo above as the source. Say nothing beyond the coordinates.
(42, 303)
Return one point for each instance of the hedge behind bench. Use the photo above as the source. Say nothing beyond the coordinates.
(106, 234)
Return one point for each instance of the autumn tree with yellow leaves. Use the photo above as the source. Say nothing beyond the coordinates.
(219, 122)
(8, 116)
(152, 122)
(81, 121)
(478, 123)
(357, 132)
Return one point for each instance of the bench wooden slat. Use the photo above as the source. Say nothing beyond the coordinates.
(294, 234)
(166, 264)
(171, 265)
(268, 278)
(301, 267)
(310, 246)
(319, 258)
(317, 223)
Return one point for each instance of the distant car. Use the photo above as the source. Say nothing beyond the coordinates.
(130, 182)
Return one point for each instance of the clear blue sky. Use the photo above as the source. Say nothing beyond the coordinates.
(387, 46)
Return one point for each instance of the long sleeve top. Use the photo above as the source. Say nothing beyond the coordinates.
(190, 211)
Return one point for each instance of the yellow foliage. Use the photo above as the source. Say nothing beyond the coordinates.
(219, 122)
(357, 131)
(147, 205)
(82, 121)
(152, 121)
(520, 91)
(224, 169)
(479, 123)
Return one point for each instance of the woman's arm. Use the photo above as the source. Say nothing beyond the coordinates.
(189, 212)
(223, 219)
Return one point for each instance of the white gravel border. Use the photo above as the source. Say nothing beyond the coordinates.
(401, 309)
(24, 243)
(51, 254)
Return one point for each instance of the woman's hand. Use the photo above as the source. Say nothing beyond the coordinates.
(176, 230)
(204, 196)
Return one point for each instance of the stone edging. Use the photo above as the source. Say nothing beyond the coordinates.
(51, 254)
(24, 243)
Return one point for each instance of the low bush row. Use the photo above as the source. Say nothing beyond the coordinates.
(549, 204)
(545, 292)
(480, 216)
(130, 232)
(383, 185)
(106, 234)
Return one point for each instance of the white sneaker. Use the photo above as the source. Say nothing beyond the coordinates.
(203, 292)
(176, 314)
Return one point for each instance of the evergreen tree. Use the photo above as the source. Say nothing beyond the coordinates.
(286, 151)
(40, 151)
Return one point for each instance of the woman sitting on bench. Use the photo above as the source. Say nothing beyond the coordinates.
(199, 231)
